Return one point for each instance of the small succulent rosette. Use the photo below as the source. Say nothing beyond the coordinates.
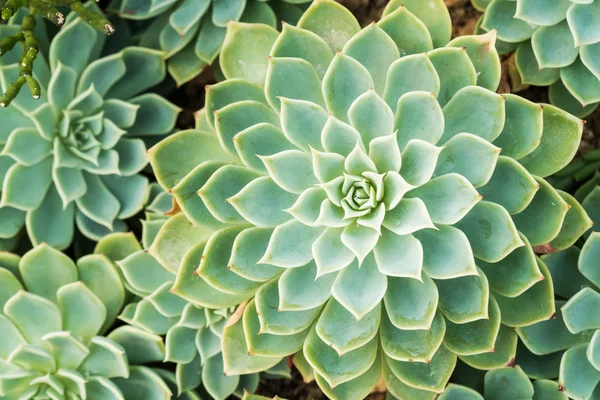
(370, 197)
(193, 333)
(556, 44)
(191, 32)
(54, 314)
(503, 383)
(72, 159)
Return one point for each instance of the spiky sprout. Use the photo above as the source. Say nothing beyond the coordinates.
(47, 9)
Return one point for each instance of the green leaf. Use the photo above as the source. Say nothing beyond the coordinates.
(415, 345)
(418, 161)
(332, 22)
(575, 224)
(411, 304)
(398, 388)
(339, 137)
(560, 141)
(290, 245)
(588, 258)
(425, 79)
(455, 71)
(464, 299)
(26, 197)
(433, 14)
(406, 30)
(301, 43)
(510, 186)
(447, 253)
(409, 216)
(106, 359)
(542, 220)
(292, 78)
(140, 346)
(82, 312)
(509, 381)
(534, 305)
(578, 376)
(528, 69)
(354, 389)
(346, 79)
(26, 146)
(155, 115)
(490, 231)
(302, 289)
(505, 349)
(51, 223)
(302, 123)
(245, 51)
(523, 127)
(68, 351)
(577, 314)
(500, 15)
(582, 18)
(292, 170)
(33, 315)
(329, 252)
(484, 56)
(399, 256)
(374, 49)
(456, 392)
(514, 274)
(336, 369)
(474, 110)
(248, 248)
(432, 376)
(228, 92)
(12, 337)
(262, 202)
(554, 45)
(44, 270)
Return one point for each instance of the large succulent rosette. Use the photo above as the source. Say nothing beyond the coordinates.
(193, 333)
(370, 197)
(73, 157)
(556, 44)
(191, 32)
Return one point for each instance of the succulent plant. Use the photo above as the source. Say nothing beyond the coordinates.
(370, 197)
(30, 44)
(506, 383)
(556, 44)
(74, 157)
(192, 32)
(193, 333)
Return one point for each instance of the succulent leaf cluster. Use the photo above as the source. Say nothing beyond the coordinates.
(556, 44)
(192, 32)
(192, 333)
(368, 200)
(73, 158)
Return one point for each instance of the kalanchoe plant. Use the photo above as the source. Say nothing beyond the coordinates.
(556, 44)
(29, 43)
(193, 333)
(76, 156)
(372, 198)
(192, 32)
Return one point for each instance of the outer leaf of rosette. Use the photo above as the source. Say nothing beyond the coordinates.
(175, 238)
(499, 237)
(474, 110)
(433, 14)
(514, 274)
(336, 369)
(245, 51)
(578, 376)
(415, 345)
(508, 381)
(534, 305)
(432, 376)
(502, 354)
(551, 336)
(400, 389)
(194, 147)
(455, 70)
(542, 220)
(560, 141)
(331, 21)
(236, 359)
(484, 56)
(228, 92)
(354, 389)
(265, 344)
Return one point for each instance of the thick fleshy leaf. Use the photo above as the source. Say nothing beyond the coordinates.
(329, 252)
(484, 56)
(26, 146)
(51, 223)
(371, 116)
(282, 72)
(339, 137)
(509, 381)
(542, 220)
(262, 202)
(410, 215)
(575, 224)
(290, 245)
(500, 15)
(408, 32)
(346, 79)
(411, 304)
(588, 258)
(582, 18)
(302, 122)
(399, 256)
(34, 316)
(504, 351)
(418, 161)
(510, 186)
(534, 305)
(353, 389)
(26, 197)
(490, 231)
(560, 140)
(245, 51)
(433, 14)
(292, 170)
(455, 71)
(332, 22)
(302, 289)
(464, 299)
(447, 253)
(577, 311)
(578, 376)
(106, 359)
